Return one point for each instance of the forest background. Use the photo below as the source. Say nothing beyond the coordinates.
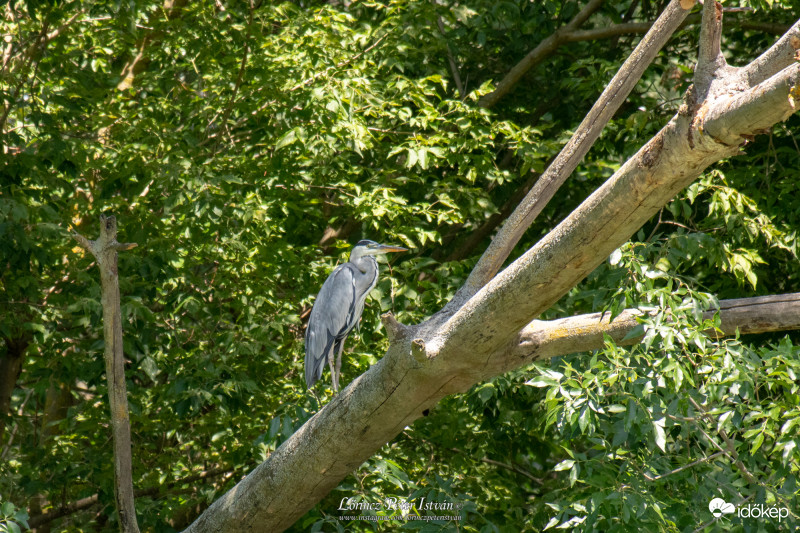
(245, 147)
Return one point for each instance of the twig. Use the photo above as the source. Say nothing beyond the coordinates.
(341, 64)
(684, 467)
(240, 77)
(729, 444)
(451, 60)
(512, 468)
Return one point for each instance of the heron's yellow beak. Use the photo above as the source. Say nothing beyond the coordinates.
(383, 248)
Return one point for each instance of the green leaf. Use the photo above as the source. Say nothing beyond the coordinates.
(566, 464)
(660, 435)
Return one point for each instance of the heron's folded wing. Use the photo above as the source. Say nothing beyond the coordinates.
(330, 318)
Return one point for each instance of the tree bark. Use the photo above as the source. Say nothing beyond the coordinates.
(479, 337)
(105, 250)
(10, 368)
(544, 339)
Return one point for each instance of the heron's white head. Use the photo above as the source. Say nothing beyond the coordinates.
(367, 247)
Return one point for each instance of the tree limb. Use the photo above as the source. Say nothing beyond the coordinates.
(776, 58)
(542, 50)
(587, 133)
(583, 333)
(628, 28)
(105, 249)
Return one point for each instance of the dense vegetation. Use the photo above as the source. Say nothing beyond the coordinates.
(246, 147)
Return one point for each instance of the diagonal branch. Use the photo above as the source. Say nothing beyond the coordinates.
(543, 49)
(240, 77)
(685, 467)
(729, 444)
(776, 58)
(451, 59)
(571, 155)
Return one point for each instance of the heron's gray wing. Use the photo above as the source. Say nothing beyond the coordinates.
(331, 319)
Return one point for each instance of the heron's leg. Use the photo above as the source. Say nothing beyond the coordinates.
(339, 363)
(334, 381)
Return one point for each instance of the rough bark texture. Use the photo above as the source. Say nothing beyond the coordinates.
(10, 368)
(476, 340)
(544, 339)
(105, 250)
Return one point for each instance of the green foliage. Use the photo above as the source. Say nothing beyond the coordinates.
(681, 413)
(12, 519)
(240, 137)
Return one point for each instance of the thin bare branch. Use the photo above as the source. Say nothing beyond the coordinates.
(542, 50)
(729, 444)
(451, 60)
(240, 76)
(571, 155)
(513, 468)
(684, 467)
(341, 64)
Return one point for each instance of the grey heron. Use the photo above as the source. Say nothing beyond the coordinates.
(338, 309)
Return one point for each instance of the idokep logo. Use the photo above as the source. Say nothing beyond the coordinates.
(719, 507)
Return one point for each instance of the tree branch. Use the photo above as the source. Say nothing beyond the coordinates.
(729, 444)
(240, 76)
(541, 51)
(710, 36)
(139, 62)
(627, 28)
(105, 250)
(587, 133)
(778, 57)
(664, 166)
(583, 333)
(451, 60)
(684, 467)
(737, 119)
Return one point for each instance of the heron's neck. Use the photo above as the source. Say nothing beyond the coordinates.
(365, 263)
